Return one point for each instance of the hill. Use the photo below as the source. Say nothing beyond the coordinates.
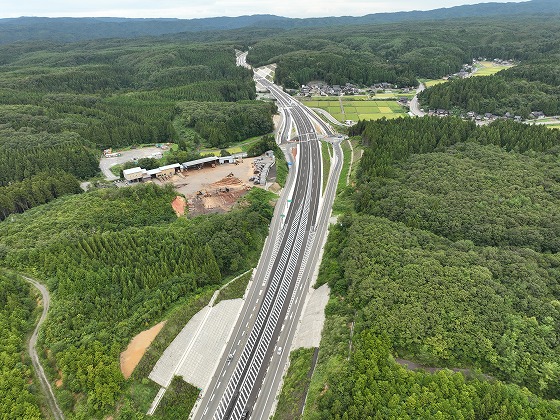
(76, 29)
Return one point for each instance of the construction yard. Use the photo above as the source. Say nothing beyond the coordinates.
(213, 189)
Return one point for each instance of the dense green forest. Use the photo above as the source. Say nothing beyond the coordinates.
(108, 93)
(222, 124)
(449, 260)
(115, 261)
(39, 189)
(18, 398)
(518, 91)
(399, 53)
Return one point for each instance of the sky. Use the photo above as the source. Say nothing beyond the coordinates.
(187, 9)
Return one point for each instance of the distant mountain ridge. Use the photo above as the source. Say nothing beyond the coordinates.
(77, 29)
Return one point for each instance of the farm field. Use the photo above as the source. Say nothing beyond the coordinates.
(430, 83)
(358, 110)
(487, 68)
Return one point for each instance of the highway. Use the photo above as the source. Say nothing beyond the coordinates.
(250, 371)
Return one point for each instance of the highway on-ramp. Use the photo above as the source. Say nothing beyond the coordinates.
(249, 373)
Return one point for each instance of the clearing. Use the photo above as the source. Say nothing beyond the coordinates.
(213, 189)
(136, 349)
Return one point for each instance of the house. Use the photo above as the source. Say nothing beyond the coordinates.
(518, 118)
(537, 114)
(403, 101)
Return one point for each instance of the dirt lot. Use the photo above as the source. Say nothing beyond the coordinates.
(212, 190)
(136, 349)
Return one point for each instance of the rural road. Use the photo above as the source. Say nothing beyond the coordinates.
(414, 105)
(45, 385)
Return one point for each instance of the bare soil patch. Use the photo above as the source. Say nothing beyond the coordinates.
(136, 349)
(179, 205)
(58, 382)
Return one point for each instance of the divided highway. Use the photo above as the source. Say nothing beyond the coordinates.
(259, 347)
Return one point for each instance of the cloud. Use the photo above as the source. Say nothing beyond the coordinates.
(208, 8)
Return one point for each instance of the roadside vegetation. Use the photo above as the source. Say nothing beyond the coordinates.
(178, 400)
(344, 191)
(447, 259)
(235, 289)
(19, 397)
(325, 155)
(296, 381)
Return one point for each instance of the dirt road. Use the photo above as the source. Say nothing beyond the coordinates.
(45, 385)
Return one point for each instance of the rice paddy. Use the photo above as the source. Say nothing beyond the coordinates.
(355, 110)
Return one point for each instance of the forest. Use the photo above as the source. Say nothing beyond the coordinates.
(18, 399)
(39, 189)
(115, 261)
(517, 91)
(70, 99)
(400, 53)
(223, 123)
(449, 260)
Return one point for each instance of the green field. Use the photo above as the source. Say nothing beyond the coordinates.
(487, 68)
(358, 109)
(553, 126)
(430, 83)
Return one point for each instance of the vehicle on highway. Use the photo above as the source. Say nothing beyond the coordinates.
(279, 351)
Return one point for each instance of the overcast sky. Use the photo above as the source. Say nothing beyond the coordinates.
(209, 8)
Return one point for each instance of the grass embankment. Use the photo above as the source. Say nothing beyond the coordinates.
(235, 289)
(325, 153)
(281, 166)
(178, 401)
(358, 109)
(295, 385)
(343, 200)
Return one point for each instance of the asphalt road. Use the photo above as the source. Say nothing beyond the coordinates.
(45, 384)
(414, 105)
(258, 351)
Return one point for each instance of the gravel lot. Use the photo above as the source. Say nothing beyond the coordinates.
(106, 163)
